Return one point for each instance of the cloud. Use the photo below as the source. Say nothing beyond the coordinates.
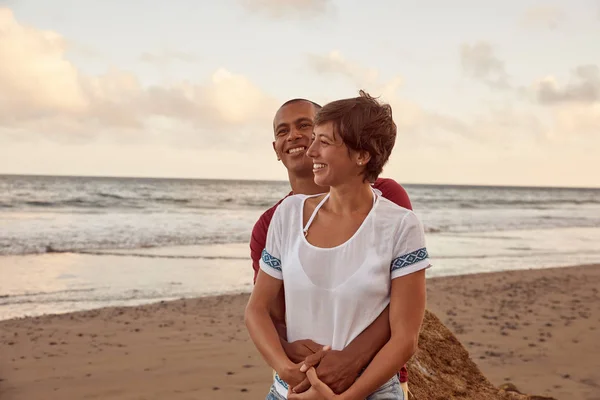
(479, 62)
(42, 91)
(573, 108)
(406, 113)
(166, 57)
(335, 64)
(411, 119)
(497, 126)
(543, 16)
(288, 8)
(583, 88)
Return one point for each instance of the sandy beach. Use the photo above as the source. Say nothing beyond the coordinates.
(535, 328)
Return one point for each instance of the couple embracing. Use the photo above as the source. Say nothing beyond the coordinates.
(340, 262)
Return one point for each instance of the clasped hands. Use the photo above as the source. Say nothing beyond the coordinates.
(317, 372)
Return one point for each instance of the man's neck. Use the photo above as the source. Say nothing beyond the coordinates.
(305, 185)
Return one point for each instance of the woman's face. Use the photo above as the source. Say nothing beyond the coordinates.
(333, 164)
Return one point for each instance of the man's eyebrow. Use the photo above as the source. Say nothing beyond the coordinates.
(303, 119)
(281, 124)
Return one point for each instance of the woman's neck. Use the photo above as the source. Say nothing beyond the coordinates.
(306, 185)
(350, 198)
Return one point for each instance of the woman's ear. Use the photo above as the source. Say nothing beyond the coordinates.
(362, 158)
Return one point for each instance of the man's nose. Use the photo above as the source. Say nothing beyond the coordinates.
(294, 134)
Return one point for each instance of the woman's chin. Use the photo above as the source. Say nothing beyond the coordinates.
(321, 181)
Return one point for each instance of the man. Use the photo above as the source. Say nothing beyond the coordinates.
(293, 127)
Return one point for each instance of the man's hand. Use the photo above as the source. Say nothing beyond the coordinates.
(300, 349)
(294, 373)
(291, 374)
(336, 369)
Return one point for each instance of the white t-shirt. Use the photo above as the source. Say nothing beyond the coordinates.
(333, 294)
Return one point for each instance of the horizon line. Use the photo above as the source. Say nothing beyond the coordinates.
(482, 185)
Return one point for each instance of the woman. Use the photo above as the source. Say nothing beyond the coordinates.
(343, 257)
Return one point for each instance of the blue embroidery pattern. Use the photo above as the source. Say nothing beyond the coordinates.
(271, 261)
(409, 259)
(281, 382)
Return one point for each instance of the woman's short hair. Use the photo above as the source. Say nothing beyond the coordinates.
(364, 124)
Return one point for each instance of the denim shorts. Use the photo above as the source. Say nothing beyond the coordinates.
(390, 390)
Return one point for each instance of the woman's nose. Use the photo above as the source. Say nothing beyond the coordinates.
(312, 148)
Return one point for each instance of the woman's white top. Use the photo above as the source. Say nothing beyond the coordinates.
(333, 294)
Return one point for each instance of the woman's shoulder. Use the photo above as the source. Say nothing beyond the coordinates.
(398, 218)
(295, 202)
(392, 210)
(298, 199)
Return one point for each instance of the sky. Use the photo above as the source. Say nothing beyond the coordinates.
(483, 92)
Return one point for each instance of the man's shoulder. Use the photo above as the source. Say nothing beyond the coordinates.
(266, 216)
(393, 191)
(387, 185)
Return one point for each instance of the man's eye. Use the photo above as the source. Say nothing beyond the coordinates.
(304, 126)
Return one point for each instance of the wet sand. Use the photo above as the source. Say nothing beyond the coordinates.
(538, 329)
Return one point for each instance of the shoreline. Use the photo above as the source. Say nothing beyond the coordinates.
(246, 291)
(199, 347)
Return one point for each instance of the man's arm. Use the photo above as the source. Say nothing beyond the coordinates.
(364, 347)
(258, 239)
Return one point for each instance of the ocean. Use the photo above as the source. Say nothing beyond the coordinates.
(72, 243)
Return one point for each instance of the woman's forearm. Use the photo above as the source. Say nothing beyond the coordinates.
(386, 363)
(265, 337)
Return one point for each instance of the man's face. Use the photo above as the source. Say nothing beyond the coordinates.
(293, 126)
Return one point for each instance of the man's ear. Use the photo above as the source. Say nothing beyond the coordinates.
(275, 150)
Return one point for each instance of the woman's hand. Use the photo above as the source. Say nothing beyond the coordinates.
(310, 394)
(318, 386)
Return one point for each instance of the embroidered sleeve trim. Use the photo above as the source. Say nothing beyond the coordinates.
(409, 259)
(271, 261)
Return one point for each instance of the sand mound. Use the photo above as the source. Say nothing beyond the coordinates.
(442, 369)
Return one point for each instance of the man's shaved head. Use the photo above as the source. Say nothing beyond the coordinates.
(317, 106)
